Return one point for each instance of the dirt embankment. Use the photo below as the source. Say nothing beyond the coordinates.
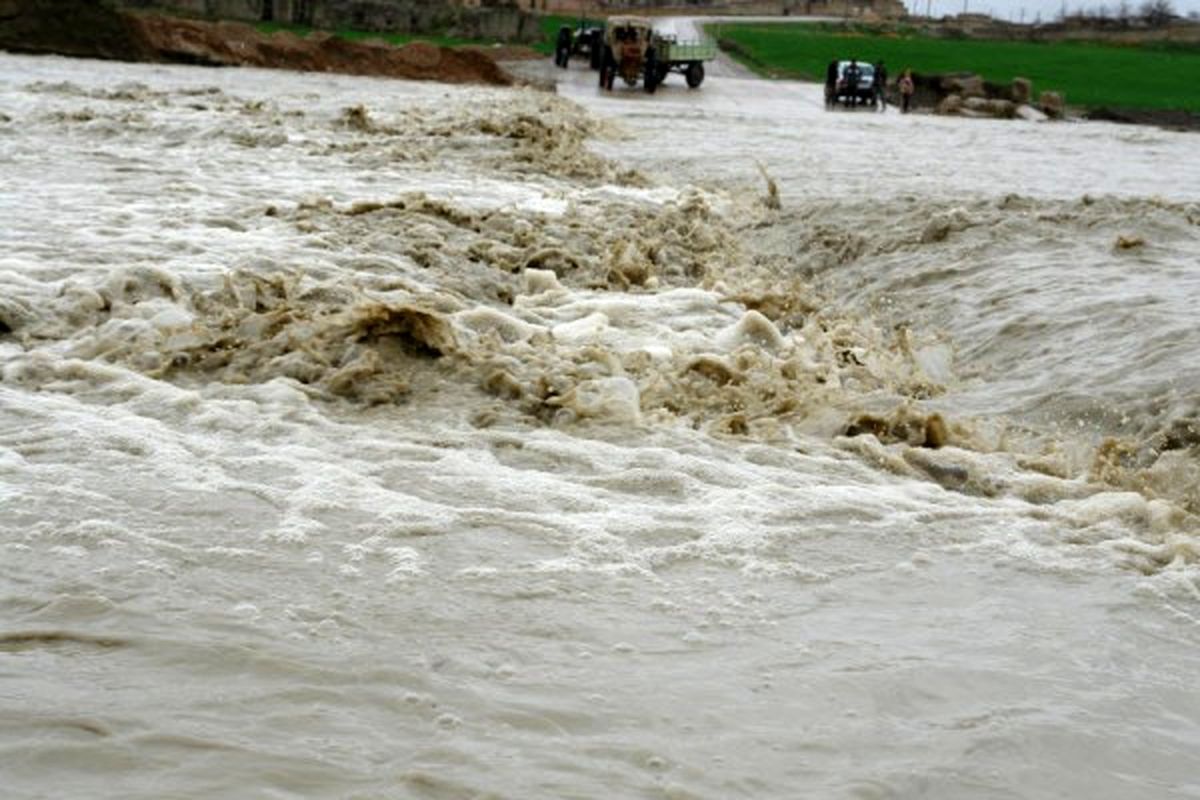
(1176, 120)
(93, 30)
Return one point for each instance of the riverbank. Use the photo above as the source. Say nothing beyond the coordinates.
(98, 32)
(1089, 75)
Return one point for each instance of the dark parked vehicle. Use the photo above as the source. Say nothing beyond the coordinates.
(853, 93)
(588, 41)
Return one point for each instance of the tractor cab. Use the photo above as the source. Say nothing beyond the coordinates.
(627, 40)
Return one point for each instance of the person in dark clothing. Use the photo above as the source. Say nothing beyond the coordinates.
(853, 73)
(562, 47)
(831, 76)
(881, 85)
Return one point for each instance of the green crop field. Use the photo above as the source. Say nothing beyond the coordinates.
(548, 25)
(390, 38)
(1089, 74)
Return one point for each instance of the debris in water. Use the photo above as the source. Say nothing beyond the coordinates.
(771, 201)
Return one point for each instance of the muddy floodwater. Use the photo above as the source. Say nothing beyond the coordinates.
(374, 439)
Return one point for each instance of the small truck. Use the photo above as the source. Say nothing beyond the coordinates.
(635, 52)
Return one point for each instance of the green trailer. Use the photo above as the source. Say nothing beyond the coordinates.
(687, 58)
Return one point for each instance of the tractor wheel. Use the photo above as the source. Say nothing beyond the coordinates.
(605, 83)
(608, 69)
(650, 72)
(694, 74)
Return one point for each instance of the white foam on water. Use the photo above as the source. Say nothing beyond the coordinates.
(413, 459)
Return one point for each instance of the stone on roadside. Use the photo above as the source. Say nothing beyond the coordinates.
(1030, 114)
(966, 85)
(984, 107)
(1002, 109)
(1022, 90)
(1052, 104)
(950, 105)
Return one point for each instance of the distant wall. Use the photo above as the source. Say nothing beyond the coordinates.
(223, 9)
(488, 19)
(857, 9)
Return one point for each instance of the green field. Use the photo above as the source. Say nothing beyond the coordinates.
(1090, 75)
(390, 38)
(548, 25)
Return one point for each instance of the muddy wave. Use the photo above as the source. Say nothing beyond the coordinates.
(624, 302)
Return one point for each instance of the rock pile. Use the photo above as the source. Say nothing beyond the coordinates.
(969, 95)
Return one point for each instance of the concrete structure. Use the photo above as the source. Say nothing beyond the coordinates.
(854, 9)
(507, 20)
(484, 19)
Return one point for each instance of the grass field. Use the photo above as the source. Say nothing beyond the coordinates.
(400, 38)
(548, 25)
(1090, 75)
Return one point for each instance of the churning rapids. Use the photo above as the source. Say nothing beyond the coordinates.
(372, 439)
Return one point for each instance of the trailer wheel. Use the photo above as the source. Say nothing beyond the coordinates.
(650, 72)
(694, 74)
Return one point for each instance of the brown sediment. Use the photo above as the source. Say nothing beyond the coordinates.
(1166, 465)
(97, 31)
(30, 640)
(352, 347)
(1129, 242)
(903, 425)
(1171, 119)
(441, 295)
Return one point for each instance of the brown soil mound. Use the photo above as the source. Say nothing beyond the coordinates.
(1165, 118)
(87, 30)
(96, 31)
(506, 52)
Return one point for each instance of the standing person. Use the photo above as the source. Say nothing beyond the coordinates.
(562, 47)
(852, 75)
(831, 76)
(881, 85)
(906, 90)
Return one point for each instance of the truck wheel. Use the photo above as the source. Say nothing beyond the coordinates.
(650, 72)
(694, 74)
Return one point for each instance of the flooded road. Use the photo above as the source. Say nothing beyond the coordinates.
(365, 438)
